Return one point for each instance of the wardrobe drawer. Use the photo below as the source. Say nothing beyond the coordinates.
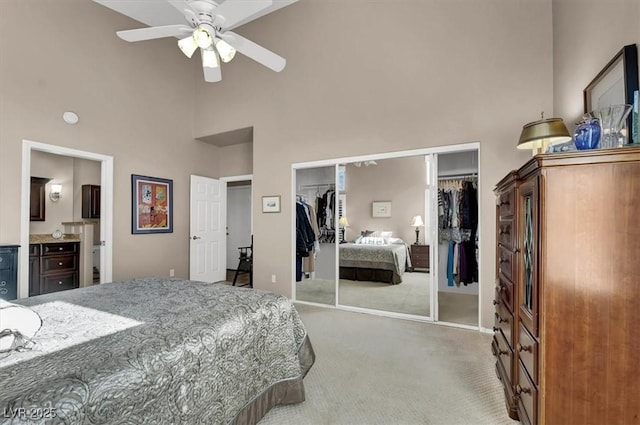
(528, 352)
(504, 292)
(505, 262)
(59, 282)
(506, 233)
(527, 395)
(504, 321)
(58, 263)
(503, 352)
(59, 248)
(506, 201)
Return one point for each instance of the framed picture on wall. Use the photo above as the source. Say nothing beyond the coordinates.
(151, 205)
(615, 84)
(271, 204)
(381, 209)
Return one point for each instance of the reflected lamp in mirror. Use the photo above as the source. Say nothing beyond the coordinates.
(417, 222)
(537, 135)
(343, 223)
(54, 194)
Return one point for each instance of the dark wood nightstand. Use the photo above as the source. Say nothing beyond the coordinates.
(420, 257)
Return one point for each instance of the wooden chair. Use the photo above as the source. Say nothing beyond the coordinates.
(245, 264)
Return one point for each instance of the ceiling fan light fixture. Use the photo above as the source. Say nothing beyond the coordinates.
(225, 51)
(210, 58)
(188, 46)
(202, 38)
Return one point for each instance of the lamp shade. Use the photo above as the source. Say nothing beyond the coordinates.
(417, 221)
(343, 221)
(538, 134)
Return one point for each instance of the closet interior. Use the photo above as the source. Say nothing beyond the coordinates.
(316, 235)
(458, 238)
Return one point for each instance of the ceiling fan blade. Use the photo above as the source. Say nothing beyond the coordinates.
(152, 33)
(254, 51)
(231, 12)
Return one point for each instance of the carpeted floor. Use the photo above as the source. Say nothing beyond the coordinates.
(374, 370)
(410, 297)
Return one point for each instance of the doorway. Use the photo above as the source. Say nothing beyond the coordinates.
(238, 226)
(106, 208)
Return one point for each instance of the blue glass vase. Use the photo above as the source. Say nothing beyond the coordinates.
(587, 134)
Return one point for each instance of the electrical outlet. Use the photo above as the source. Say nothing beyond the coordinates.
(172, 272)
(273, 278)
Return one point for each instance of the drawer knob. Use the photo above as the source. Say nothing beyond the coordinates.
(520, 390)
(504, 232)
(59, 282)
(496, 302)
(60, 263)
(503, 352)
(501, 319)
(60, 249)
(504, 203)
(521, 348)
(504, 260)
(3, 283)
(496, 329)
(501, 288)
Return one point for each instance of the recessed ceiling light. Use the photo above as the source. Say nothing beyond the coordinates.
(70, 117)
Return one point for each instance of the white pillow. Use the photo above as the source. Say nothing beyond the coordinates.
(372, 240)
(386, 236)
(18, 318)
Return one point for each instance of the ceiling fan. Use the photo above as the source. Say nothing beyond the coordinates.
(207, 27)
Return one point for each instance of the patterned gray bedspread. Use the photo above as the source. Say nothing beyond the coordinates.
(392, 257)
(152, 351)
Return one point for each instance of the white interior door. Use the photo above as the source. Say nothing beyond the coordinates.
(207, 247)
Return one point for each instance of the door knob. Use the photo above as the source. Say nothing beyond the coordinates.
(196, 237)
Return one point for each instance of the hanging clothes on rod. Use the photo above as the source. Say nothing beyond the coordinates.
(458, 225)
(305, 234)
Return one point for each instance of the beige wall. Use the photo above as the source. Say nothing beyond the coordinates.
(135, 102)
(587, 34)
(60, 170)
(369, 77)
(400, 181)
(235, 160)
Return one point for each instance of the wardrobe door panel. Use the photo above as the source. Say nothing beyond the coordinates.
(527, 279)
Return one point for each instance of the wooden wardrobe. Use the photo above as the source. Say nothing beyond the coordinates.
(567, 303)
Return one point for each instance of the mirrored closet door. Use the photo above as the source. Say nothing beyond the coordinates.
(384, 259)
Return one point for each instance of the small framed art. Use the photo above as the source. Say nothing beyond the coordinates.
(271, 204)
(381, 209)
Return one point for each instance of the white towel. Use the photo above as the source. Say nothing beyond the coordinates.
(18, 318)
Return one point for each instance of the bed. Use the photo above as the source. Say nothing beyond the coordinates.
(158, 350)
(374, 262)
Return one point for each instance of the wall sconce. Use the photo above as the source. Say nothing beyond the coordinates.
(417, 222)
(54, 195)
(342, 222)
(538, 134)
